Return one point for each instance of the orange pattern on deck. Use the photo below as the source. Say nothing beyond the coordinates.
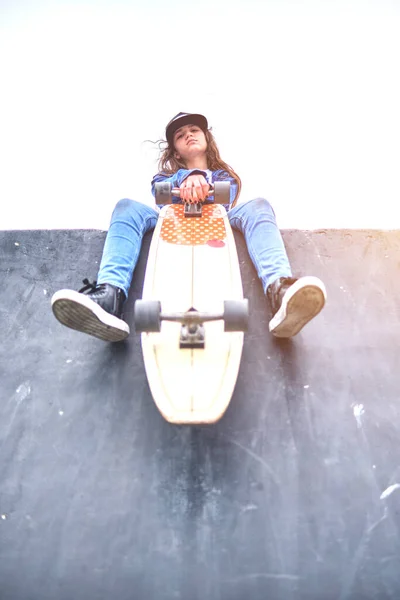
(193, 231)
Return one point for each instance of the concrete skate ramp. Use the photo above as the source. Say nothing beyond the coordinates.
(294, 494)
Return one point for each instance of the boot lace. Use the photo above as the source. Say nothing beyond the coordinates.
(286, 282)
(91, 287)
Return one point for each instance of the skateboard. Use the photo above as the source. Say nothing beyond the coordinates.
(192, 315)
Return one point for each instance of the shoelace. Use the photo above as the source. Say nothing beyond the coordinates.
(90, 287)
(285, 285)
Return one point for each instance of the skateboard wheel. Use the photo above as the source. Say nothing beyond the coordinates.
(236, 315)
(222, 193)
(163, 192)
(147, 316)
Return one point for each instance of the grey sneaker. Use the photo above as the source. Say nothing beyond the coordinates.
(95, 309)
(294, 302)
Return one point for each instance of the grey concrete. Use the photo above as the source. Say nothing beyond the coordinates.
(292, 495)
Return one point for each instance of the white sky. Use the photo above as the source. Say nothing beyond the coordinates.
(303, 98)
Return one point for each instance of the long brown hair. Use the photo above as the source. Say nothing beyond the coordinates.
(169, 164)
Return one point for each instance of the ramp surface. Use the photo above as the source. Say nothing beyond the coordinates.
(295, 494)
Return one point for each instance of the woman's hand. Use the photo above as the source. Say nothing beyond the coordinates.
(194, 189)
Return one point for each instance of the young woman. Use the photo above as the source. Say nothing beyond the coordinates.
(191, 161)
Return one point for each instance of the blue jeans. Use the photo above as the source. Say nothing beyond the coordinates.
(130, 220)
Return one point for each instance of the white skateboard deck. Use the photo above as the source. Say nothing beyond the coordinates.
(192, 263)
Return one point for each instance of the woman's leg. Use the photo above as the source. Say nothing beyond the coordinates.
(294, 302)
(129, 222)
(256, 220)
(97, 308)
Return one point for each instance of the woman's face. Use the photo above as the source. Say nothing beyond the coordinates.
(189, 142)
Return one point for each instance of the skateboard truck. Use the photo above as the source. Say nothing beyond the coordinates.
(220, 190)
(192, 336)
(148, 316)
(193, 210)
(192, 332)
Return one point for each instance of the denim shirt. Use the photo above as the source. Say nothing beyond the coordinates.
(177, 178)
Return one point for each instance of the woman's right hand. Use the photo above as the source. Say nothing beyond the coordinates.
(194, 189)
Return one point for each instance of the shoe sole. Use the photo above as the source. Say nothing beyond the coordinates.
(79, 312)
(301, 303)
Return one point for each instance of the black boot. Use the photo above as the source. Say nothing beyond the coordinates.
(95, 309)
(294, 302)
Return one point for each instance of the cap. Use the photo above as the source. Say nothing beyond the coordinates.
(182, 119)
